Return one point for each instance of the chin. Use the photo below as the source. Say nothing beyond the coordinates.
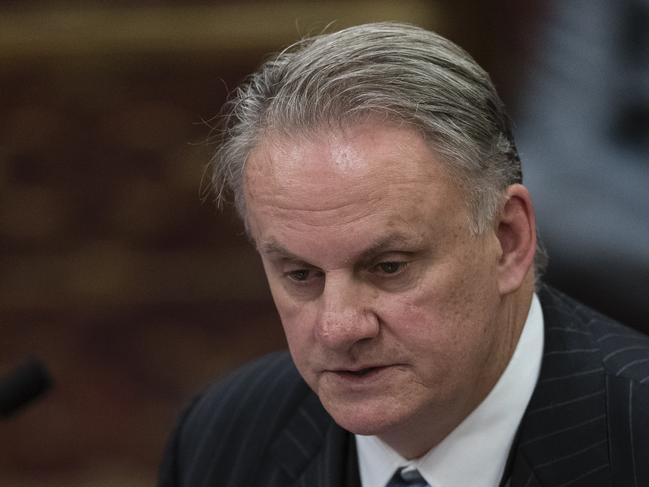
(366, 417)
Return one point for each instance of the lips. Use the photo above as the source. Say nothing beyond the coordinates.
(362, 371)
(360, 374)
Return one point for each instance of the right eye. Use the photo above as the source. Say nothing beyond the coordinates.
(299, 275)
(303, 276)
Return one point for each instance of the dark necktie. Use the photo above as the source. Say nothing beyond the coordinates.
(407, 478)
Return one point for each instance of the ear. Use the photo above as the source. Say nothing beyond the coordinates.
(516, 233)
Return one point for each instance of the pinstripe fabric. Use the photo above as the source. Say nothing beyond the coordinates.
(587, 423)
(584, 426)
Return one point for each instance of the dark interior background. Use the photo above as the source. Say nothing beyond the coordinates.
(115, 267)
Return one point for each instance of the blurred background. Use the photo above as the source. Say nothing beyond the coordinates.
(119, 273)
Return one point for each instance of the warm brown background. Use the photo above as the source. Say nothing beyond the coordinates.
(113, 268)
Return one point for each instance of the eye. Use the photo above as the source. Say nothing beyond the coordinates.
(302, 275)
(389, 268)
(299, 275)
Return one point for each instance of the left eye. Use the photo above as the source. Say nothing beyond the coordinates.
(389, 267)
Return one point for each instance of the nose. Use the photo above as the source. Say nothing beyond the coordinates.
(345, 316)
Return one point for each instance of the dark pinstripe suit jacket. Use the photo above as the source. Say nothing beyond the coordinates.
(587, 423)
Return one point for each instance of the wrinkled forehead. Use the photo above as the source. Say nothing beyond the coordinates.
(350, 153)
(363, 173)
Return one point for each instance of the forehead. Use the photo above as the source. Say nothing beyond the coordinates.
(345, 189)
(369, 159)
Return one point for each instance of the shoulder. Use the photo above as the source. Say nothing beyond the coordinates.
(250, 400)
(246, 390)
(588, 418)
(570, 325)
(602, 355)
(233, 422)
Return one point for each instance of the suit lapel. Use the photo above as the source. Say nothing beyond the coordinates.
(313, 451)
(563, 435)
(331, 467)
(523, 474)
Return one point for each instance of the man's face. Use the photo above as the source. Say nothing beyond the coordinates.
(388, 301)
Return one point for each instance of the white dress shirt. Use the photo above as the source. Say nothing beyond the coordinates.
(475, 453)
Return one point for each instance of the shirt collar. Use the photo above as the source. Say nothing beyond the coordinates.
(475, 453)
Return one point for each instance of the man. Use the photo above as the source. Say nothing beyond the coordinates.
(376, 174)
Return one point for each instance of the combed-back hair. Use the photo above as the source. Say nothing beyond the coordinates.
(398, 72)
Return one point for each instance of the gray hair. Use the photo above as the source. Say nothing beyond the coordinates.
(397, 71)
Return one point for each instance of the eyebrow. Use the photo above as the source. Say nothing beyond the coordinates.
(387, 244)
(274, 248)
(382, 245)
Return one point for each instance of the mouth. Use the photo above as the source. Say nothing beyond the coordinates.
(360, 374)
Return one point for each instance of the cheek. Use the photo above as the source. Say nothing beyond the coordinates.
(288, 309)
(422, 329)
(297, 322)
(447, 316)
(413, 325)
